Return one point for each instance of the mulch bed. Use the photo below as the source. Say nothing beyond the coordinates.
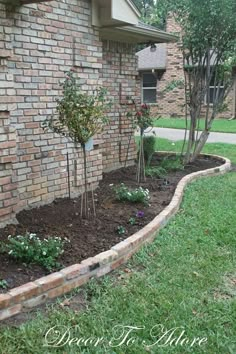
(90, 237)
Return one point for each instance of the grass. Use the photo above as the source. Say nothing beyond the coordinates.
(185, 278)
(219, 125)
(226, 150)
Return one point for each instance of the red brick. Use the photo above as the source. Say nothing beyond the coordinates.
(24, 292)
(74, 271)
(5, 180)
(10, 202)
(12, 311)
(9, 187)
(5, 211)
(50, 281)
(4, 300)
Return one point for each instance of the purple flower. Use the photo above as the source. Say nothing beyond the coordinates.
(140, 214)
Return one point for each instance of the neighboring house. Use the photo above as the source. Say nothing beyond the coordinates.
(39, 42)
(158, 67)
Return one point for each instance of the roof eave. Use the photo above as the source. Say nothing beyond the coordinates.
(152, 68)
(136, 35)
(156, 35)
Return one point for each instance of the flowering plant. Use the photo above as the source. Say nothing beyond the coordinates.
(31, 249)
(140, 214)
(143, 117)
(137, 195)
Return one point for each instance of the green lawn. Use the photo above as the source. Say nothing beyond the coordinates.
(219, 125)
(185, 278)
(227, 150)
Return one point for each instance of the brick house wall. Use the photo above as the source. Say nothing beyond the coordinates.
(120, 79)
(172, 104)
(38, 43)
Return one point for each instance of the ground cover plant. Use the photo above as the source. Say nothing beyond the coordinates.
(137, 195)
(29, 249)
(185, 280)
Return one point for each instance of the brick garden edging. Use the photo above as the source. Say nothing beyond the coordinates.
(39, 291)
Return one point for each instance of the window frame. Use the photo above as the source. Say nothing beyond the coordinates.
(210, 88)
(149, 88)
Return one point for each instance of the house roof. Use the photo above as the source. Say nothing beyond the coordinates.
(148, 60)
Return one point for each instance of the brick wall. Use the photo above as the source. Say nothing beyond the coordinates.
(171, 104)
(120, 79)
(38, 43)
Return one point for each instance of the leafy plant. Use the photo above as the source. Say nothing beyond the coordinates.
(3, 284)
(31, 249)
(121, 230)
(156, 171)
(132, 221)
(80, 115)
(172, 164)
(137, 195)
(143, 117)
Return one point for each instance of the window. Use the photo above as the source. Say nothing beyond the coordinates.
(213, 89)
(149, 88)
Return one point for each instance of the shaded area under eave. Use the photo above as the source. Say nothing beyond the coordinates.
(136, 34)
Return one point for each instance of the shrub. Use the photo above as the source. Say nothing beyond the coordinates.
(137, 195)
(31, 249)
(148, 148)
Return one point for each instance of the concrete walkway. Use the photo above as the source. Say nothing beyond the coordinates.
(178, 134)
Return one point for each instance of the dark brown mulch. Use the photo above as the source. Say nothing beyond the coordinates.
(90, 237)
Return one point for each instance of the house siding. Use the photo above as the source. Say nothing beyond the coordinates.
(38, 44)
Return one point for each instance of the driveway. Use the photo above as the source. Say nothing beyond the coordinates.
(178, 134)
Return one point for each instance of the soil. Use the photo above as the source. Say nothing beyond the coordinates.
(90, 237)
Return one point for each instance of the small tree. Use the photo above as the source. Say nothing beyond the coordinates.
(141, 118)
(80, 116)
(144, 120)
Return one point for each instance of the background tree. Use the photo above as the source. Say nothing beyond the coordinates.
(80, 115)
(208, 45)
(154, 12)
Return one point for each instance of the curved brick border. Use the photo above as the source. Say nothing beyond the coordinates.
(59, 283)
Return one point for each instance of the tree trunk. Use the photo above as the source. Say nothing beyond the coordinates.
(191, 139)
(200, 144)
(141, 177)
(84, 199)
